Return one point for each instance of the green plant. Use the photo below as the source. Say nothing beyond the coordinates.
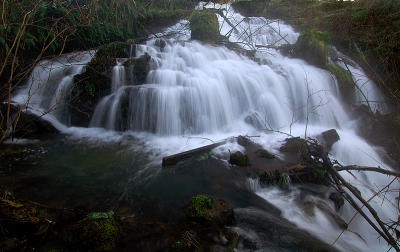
(199, 206)
(90, 88)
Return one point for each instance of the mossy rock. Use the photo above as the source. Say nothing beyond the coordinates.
(312, 46)
(345, 81)
(97, 232)
(204, 25)
(199, 206)
(239, 159)
(106, 54)
(95, 82)
(205, 210)
(254, 8)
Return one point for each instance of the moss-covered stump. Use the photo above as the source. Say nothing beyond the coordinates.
(95, 82)
(97, 232)
(204, 26)
(312, 46)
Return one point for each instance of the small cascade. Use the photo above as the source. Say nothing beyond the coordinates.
(49, 86)
(209, 91)
(118, 75)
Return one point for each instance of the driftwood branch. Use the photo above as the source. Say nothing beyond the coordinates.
(365, 168)
(383, 232)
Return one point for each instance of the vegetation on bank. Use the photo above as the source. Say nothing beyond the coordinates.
(367, 30)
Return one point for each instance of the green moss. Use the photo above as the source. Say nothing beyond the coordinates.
(97, 232)
(106, 54)
(204, 25)
(90, 88)
(312, 45)
(199, 206)
(101, 215)
(345, 81)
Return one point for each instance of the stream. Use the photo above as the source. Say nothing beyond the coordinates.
(196, 94)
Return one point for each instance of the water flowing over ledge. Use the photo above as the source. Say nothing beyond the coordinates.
(195, 91)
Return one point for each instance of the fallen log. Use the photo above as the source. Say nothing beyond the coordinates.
(174, 159)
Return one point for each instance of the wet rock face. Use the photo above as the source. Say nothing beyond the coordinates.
(28, 125)
(141, 67)
(95, 82)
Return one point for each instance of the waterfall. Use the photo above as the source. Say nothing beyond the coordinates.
(213, 92)
(118, 75)
(49, 85)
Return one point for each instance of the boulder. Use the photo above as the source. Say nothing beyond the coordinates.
(160, 43)
(29, 125)
(240, 159)
(98, 231)
(204, 26)
(328, 138)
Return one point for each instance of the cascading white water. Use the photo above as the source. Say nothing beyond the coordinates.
(49, 85)
(213, 92)
(118, 75)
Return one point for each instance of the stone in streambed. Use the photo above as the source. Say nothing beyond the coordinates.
(97, 232)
